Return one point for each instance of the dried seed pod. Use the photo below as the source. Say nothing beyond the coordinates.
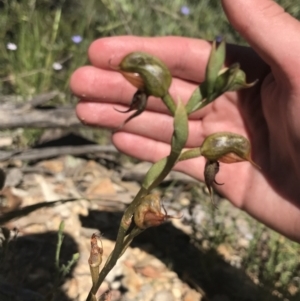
(148, 212)
(96, 252)
(95, 258)
(147, 73)
(227, 148)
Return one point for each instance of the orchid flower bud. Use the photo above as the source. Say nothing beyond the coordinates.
(231, 79)
(147, 73)
(227, 148)
(148, 212)
(214, 65)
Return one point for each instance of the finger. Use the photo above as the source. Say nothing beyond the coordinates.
(150, 150)
(159, 126)
(105, 115)
(269, 30)
(110, 87)
(185, 57)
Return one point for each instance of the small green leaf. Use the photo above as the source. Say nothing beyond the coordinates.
(195, 101)
(61, 228)
(180, 133)
(232, 79)
(214, 65)
(239, 82)
(154, 174)
(225, 79)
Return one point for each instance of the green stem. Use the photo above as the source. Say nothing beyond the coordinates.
(60, 238)
(49, 57)
(169, 102)
(94, 270)
(190, 154)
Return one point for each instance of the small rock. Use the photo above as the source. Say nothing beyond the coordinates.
(163, 296)
(6, 141)
(115, 285)
(192, 295)
(185, 202)
(13, 177)
(177, 289)
(103, 288)
(71, 288)
(149, 271)
(55, 166)
(101, 187)
(244, 243)
(131, 281)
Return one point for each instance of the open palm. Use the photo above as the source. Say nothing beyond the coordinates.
(266, 114)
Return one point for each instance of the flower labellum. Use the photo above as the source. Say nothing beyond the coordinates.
(138, 103)
(210, 171)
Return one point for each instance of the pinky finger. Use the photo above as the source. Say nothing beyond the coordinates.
(150, 150)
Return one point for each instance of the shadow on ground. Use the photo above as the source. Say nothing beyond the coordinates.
(29, 267)
(28, 271)
(206, 271)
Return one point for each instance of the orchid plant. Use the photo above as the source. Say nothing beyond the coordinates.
(151, 77)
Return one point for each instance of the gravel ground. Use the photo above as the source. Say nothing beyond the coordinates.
(187, 258)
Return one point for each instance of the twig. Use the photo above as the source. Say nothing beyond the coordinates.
(50, 152)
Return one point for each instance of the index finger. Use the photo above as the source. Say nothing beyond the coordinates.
(185, 57)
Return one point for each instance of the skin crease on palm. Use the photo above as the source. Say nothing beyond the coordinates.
(268, 114)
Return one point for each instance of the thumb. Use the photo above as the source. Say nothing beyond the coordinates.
(273, 33)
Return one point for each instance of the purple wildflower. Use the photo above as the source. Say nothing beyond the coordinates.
(76, 39)
(219, 38)
(185, 10)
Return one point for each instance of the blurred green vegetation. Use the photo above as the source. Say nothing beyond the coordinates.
(42, 30)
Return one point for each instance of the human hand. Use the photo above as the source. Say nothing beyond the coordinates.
(266, 113)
